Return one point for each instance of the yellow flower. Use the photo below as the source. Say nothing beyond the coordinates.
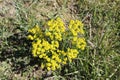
(38, 41)
(49, 23)
(53, 62)
(40, 56)
(45, 57)
(30, 37)
(72, 53)
(52, 47)
(48, 59)
(53, 68)
(42, 50)
(55, 43)
(38, 49)
(58, 59)
(34, 55)
(48, 68)
(79, 23)
(63, 53)
(81, 43)
(65, 59)
(51, 37)
(53, 56)
(48, 34)
(74, 32)
(34, 52)
(72, 22)
(75, 38)
(48, 64)
(64, 62)
(32, 31)
(42, 65)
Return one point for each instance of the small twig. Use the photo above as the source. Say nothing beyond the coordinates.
(90, 27)
(87, 19)
(92, 45)
(71, 73)
(53, 77)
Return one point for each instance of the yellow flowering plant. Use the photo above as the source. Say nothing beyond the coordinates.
(57, 44)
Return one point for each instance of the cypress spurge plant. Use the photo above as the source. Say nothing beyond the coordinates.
(56, 44)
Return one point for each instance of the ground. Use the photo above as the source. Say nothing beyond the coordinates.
(101, 19)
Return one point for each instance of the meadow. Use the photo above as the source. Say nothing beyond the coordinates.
(100, 60)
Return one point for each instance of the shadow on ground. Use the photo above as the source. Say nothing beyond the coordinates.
(18, 53)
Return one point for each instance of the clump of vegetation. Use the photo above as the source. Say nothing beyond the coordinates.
(56, 44)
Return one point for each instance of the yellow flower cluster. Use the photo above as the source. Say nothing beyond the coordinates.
(36, 32)
(76, 27)
(79, 42)
(53, 46)
(55, 29)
